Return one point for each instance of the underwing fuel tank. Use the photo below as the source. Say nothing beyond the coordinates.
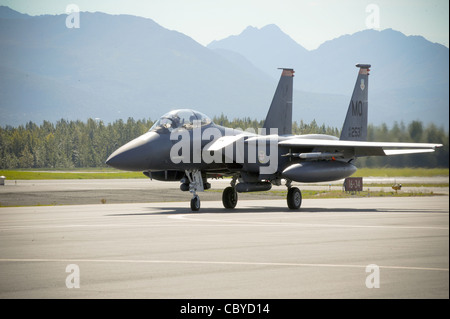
(321, 171)
(165, 175)
(253, 187)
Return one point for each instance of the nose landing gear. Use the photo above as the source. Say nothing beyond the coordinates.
(195, 185)
(195, 203)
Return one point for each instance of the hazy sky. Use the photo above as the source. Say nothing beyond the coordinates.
(309, 22)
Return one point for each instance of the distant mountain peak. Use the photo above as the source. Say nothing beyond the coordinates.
(371, 39)
(250, 28)
(268, 35)
(271, 27)
(8, 13)
(268, 48)
(269, 30)
(268, 27)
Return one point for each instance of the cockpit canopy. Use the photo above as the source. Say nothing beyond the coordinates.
(184, 118)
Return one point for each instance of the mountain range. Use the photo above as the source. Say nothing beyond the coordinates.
(120, 66)
(409, 76)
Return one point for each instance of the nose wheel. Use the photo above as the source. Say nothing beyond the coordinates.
(195, 203)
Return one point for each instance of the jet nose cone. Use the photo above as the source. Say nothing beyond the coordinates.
(135, 155)
(113, 160)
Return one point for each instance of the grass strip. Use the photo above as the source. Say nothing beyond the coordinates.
(107, 173)
(38, 175)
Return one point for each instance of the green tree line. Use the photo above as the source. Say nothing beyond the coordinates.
(414, 132)
(65, 144)
(71, 144)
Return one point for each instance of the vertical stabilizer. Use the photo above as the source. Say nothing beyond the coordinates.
(280, 111)
(355, 124)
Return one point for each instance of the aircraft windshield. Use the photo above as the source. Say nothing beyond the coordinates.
(187, 119)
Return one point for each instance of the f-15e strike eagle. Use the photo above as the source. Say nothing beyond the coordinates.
(185, 145)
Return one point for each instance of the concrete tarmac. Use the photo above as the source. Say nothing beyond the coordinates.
(112, 191)
(331, 248)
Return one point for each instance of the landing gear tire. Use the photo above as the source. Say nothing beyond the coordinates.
(294, 198)
(195, 203)
(229, 197)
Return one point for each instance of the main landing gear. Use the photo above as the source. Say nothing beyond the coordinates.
(294, 196)
(230, 196)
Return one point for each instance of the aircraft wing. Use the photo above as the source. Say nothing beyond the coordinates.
(361, 148)
(223, 142)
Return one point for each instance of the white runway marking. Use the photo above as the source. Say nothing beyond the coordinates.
(258, 223)
(203, 222)
(202, 262)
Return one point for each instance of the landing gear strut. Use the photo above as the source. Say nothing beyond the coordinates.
(230, 196)
(195, 185)
(294, 196)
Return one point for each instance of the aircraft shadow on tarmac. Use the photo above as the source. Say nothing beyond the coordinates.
(258, 209)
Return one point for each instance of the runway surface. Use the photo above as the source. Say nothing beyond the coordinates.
(259, 250)
(112, 191)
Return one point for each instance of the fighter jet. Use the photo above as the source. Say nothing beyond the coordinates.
(185, 145)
